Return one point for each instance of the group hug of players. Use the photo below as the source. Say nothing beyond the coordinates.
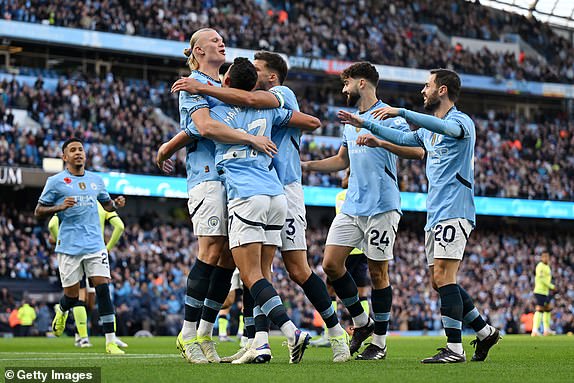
(246, 200)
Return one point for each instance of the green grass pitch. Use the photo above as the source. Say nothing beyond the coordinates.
(514, 359)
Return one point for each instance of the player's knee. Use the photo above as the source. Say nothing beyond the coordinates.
(334, 270)
(298, 272)
(249, 278)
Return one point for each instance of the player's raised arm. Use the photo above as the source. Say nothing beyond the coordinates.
(406, 152)
(218, 131)
(447, 127)
(395, 136)
(259, 99)
(330, 164)
(304, 121)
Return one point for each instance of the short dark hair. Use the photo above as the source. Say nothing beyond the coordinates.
(274, 62)
(364, 70)
(242, 74)
(450, 79)
(69, 141)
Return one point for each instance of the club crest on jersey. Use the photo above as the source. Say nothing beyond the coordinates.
(82, 185)
(94, 186)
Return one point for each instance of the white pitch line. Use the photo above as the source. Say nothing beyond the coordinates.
(88, 356)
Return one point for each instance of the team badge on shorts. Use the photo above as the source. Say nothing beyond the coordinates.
(82, 185)
(213, 221)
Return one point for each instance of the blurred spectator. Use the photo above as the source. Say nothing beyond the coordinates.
(343, 30)
(27, 316)
(150, 264)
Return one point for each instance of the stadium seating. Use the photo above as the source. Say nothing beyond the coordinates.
(393, 35)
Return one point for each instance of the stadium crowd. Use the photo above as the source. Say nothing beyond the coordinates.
(151, 261)
(344, 30)
(122, 128)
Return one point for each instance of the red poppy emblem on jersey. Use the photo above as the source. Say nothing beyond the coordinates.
(68, 180)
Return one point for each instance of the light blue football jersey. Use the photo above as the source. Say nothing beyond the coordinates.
(450, 171)
(200, 158)
(247, 172)
(373, 187)
(80, 230)
(287, 161)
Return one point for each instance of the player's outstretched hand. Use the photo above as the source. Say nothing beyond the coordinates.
(190, 85)
(369, 140)
(68, 203)
(350, 118)
(264, 145)
(386, 112)
(120, 201)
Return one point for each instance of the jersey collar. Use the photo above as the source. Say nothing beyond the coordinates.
(67, 171)
(206, 76)
(377, 104)
(451, 110)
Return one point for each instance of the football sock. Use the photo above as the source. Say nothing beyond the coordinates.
(81, 319)
(248, 319)
(451, 313)
(219, 286)
(346, 289)
(472, 317)
(261, 327)
(105, 308)
(189, 330)
(546, 320)
(67, 302)
(317, 293)
(197, 287)
(222, 323)
(536, 321)
(266, 297)
(381, 299)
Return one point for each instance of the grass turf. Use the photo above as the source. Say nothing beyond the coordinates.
(514, 359)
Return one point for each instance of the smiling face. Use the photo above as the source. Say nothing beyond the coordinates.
(74, 154)
(351, 89)
(431, 94)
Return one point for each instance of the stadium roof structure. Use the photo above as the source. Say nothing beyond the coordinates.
(557, 12)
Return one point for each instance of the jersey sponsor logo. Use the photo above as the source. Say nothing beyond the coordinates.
(94, 186)
(82, 185)
(213, 221)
